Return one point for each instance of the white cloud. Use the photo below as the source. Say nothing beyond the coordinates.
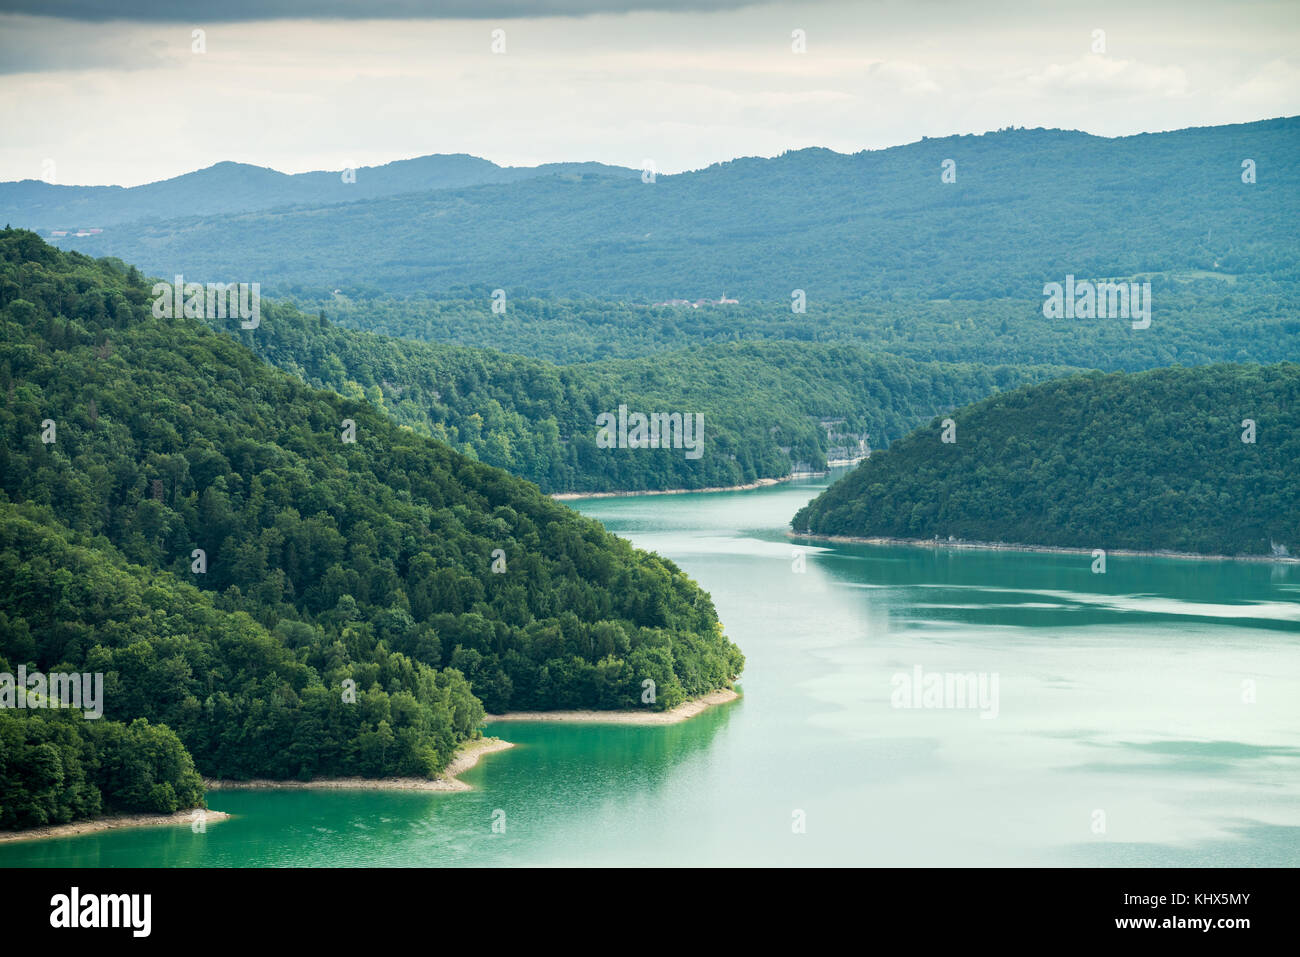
(1276, 80)
(1102, 75)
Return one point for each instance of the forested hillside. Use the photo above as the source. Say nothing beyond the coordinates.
(130, 443)
(1027, 206)
(1197, 318)
(1192, 460)
(769, 407)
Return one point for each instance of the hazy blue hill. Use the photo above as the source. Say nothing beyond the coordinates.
(238, 187)
(1028, 206)
(1148, 460)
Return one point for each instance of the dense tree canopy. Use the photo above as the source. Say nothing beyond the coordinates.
(1197, 317)
(769, 407)
(325, 560)
(57, 767)
(1164, 459)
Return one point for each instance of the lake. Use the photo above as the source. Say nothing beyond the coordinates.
(1146, 716)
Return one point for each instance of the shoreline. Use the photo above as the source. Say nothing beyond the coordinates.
(1041, 549)
(684, 711)
(111, 823)
(466, 757)
(747, 487)
(759, 483)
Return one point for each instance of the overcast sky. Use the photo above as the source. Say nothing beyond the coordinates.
(306, 85)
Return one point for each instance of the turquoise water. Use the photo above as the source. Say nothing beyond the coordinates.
(1146, 716)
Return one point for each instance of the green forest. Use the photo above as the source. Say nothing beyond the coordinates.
(57, 767)
(1186, 459)
(189, 521)
(1198, 317)
(764, 403)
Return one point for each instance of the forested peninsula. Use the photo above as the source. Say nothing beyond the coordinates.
(264, 598)
(1197, 460)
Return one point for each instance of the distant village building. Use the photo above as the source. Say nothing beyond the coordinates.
(724, 301)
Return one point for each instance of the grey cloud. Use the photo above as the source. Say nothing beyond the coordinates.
(211, 11)
(28, 45)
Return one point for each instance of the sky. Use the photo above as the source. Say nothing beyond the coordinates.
(119, 92)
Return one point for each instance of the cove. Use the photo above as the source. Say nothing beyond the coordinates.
(1146, 717)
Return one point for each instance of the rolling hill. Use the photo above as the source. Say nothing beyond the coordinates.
(1028, 206)
(1191, 460)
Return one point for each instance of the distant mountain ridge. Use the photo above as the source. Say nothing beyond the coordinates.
(229, 187)
(1026, 207)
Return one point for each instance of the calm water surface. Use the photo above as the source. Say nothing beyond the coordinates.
(1147, 716)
